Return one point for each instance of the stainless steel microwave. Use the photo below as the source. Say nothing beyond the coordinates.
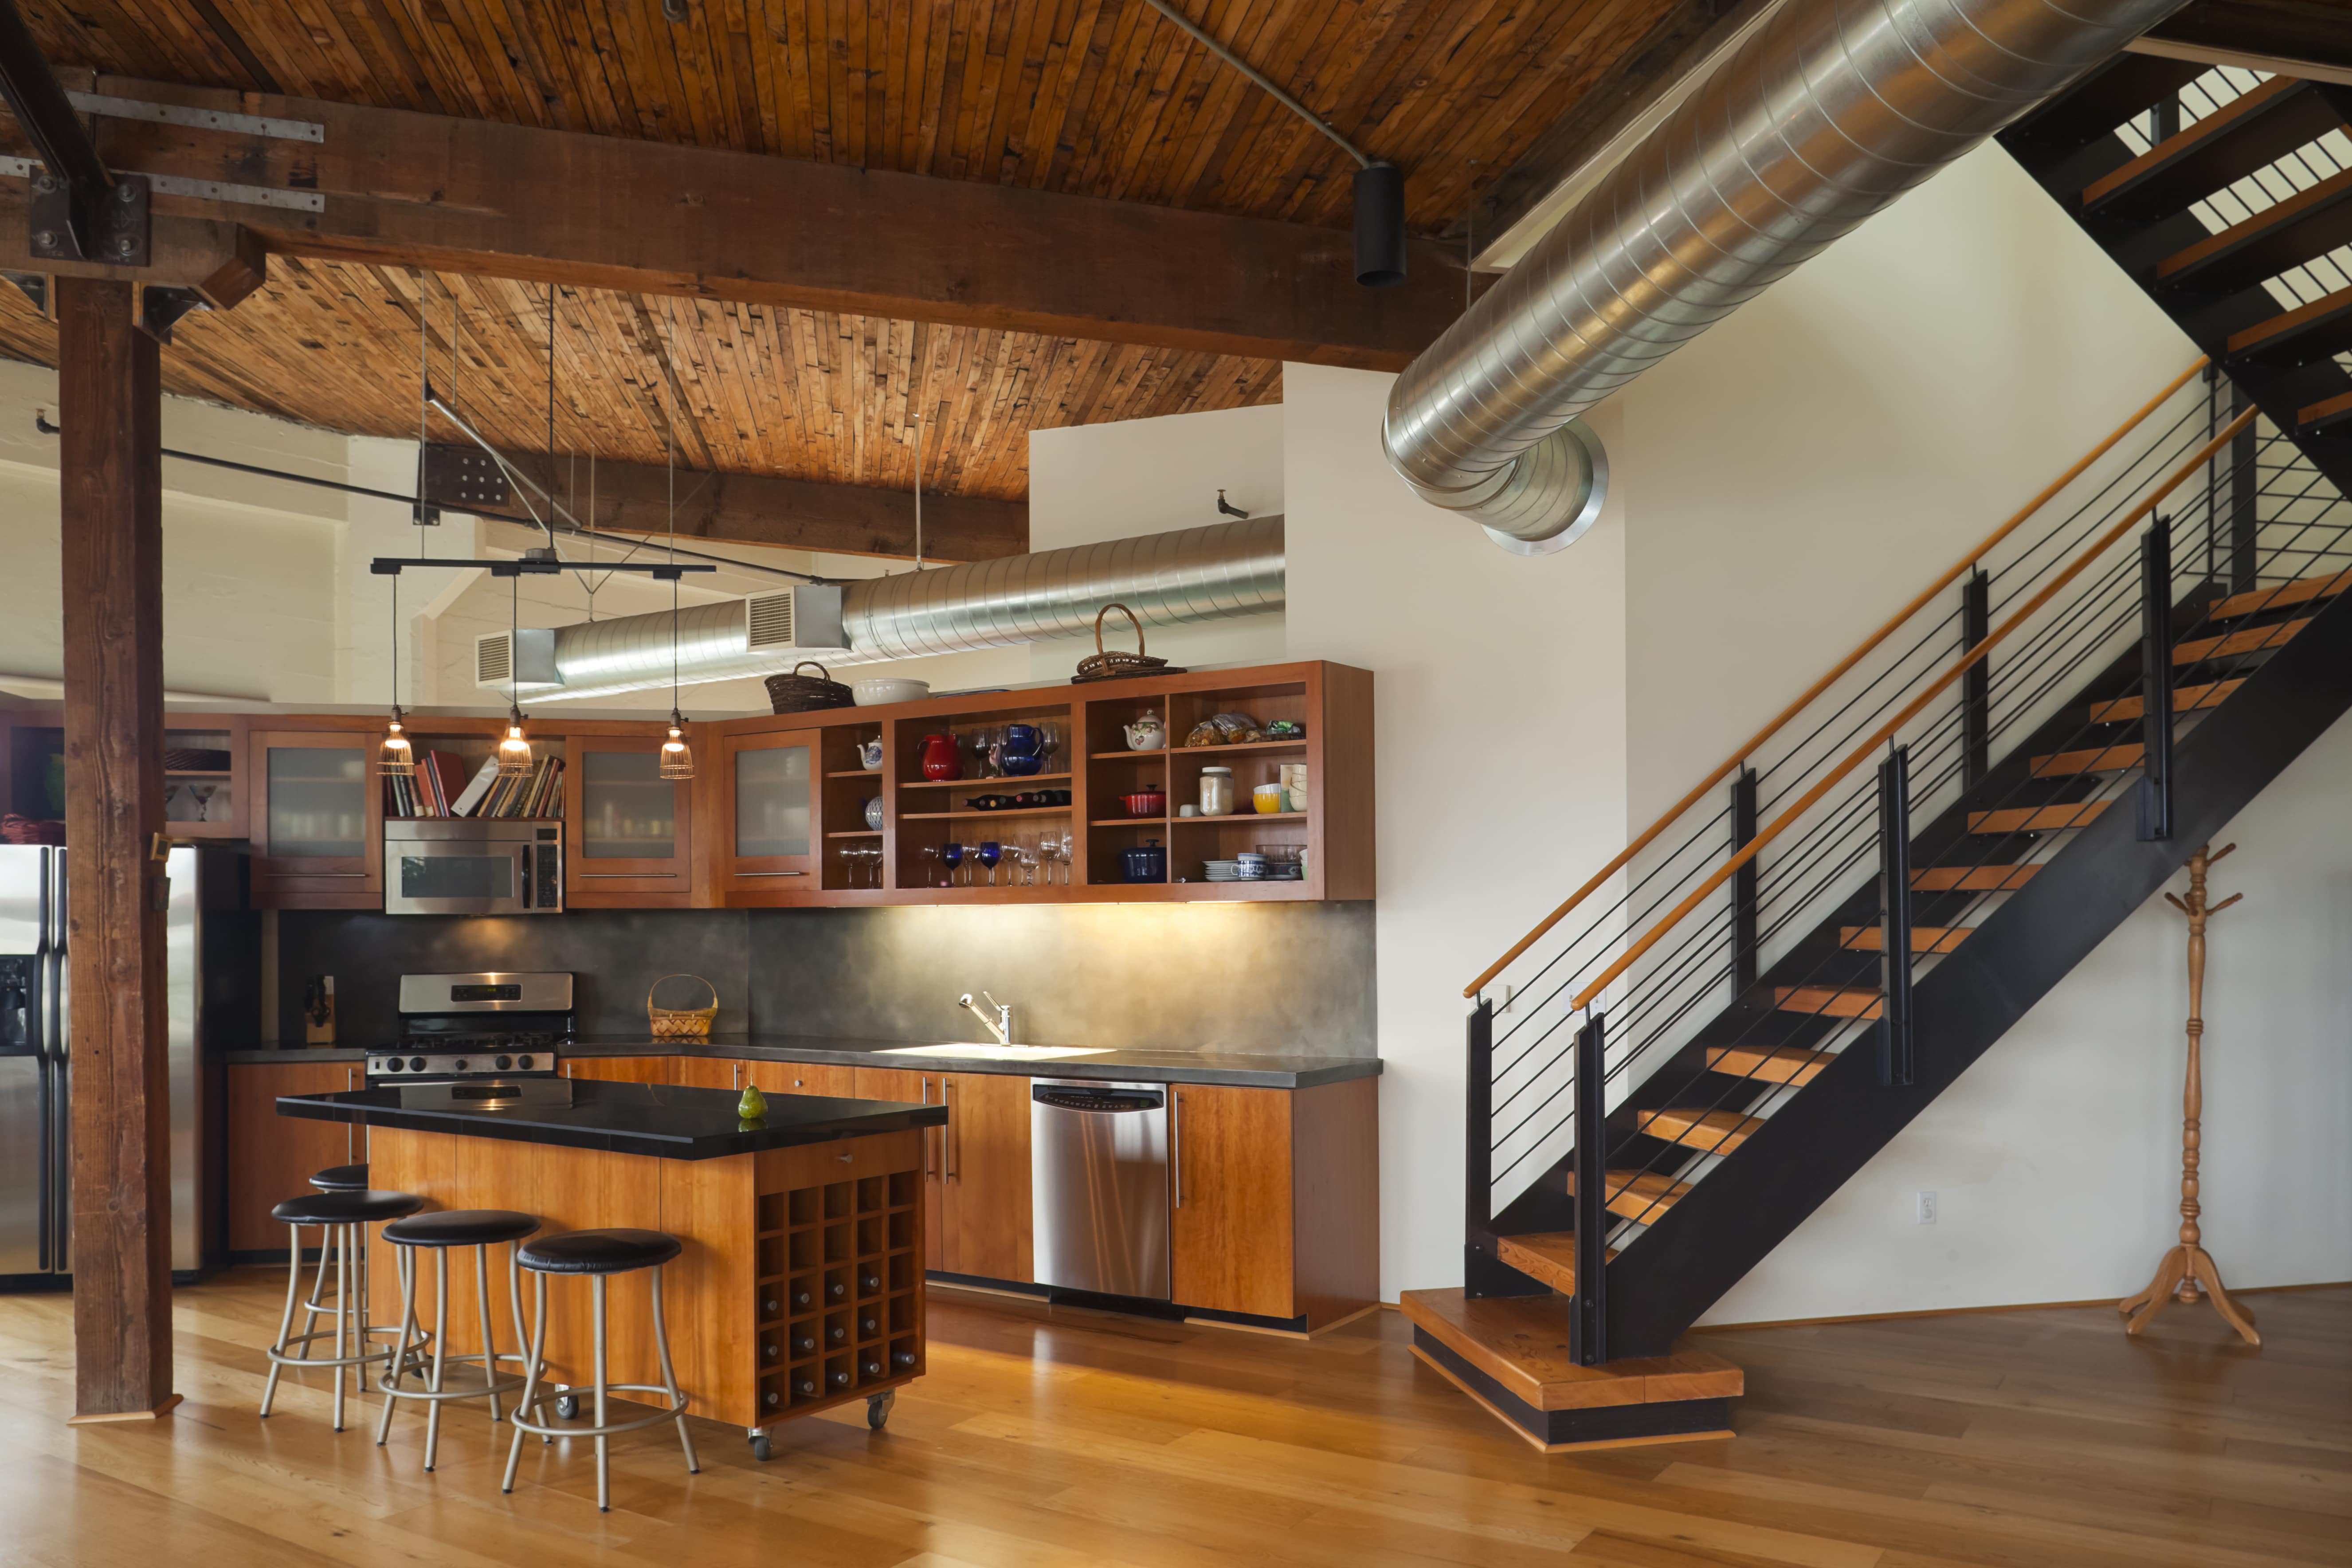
(473, 865)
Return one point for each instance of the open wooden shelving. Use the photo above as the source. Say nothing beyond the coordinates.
(838, 1309)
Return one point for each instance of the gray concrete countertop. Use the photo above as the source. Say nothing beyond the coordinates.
(1131, 1066)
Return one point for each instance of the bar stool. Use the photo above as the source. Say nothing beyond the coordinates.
(335, 1179)
(599, 1254)
(480, 1229)
(338, 1216)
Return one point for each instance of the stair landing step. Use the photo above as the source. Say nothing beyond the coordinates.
(1642, 1196)
(1549, 1255)
(2254, 601)
(2323, 414)
(1520, 1344)
(1708, 1132)
(2253, 639)
(2037, 818)
(1768, 1064)
(1972, 879)
(1828, 1001)
(1924, 939)
(2185, 699)
(2097, 759)
(2320, 330)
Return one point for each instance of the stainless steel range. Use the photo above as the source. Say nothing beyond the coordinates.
(491, 1024)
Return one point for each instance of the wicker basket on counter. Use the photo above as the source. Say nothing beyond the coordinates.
(681, 1023)
(798, 693)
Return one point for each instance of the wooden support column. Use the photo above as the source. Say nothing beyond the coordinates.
(110, 484)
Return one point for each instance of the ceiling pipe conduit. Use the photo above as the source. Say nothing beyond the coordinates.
(1192, 574)
(1833, 110)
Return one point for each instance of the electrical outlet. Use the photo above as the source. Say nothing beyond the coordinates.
(1926, 1208)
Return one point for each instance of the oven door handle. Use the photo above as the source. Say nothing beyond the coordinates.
(526, 855)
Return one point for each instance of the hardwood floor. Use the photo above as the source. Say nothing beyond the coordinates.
(1065, 1439)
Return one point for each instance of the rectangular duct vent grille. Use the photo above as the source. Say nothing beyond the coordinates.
(524, 658)
(770, 618)
(493, 659)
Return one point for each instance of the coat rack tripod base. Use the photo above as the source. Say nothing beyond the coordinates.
(2188, 1273)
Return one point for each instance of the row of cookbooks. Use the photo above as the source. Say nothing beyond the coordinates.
(439, 788)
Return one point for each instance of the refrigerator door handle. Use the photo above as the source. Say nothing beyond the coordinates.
(48, 1161)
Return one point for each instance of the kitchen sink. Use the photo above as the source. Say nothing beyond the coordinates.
(995, 1053)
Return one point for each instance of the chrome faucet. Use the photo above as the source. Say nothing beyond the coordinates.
(1000, 1026)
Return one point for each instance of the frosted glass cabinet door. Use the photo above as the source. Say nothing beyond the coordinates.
(774, 816)
(627, 810)
(317, 815)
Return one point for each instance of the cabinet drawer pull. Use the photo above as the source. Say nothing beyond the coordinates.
(583, 876)
(770, 873)
(316, 876)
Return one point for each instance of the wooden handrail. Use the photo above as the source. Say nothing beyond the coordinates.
(1893, 726)
(1748, 749)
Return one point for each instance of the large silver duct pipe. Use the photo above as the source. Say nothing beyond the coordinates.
(1191, 574)
(1831, 111)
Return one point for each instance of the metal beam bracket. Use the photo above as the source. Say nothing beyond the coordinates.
(117, 222)
(161, 307)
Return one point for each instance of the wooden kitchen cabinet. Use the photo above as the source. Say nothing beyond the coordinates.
(625, 1069)
(1277, 1200)
(767, 828)
(630, 838)
(915, 1088)
(708, 1072)
(316, 819)
(805, 1077)
(984, 1206)
(270, 1158)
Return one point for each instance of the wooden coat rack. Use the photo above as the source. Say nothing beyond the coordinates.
(2188, 1270)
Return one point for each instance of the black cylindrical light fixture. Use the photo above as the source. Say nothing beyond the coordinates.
(1380, 226)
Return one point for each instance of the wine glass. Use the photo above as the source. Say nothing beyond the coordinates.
(1069, 854)
(951, 855)
(991, 852)
(1049, 745)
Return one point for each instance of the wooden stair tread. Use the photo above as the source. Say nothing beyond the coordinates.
(2319, 415)
(2253, 640)
(2248, 133)
(2318, 331)
(1644, 1195)
(2037, 818)
(2306, 225)
(1549, 1255)
(1972, 879)
(1924, 939)
(1768, 1064)
(2097, 759)
(2301, 591)
(2185, 699)
(1710, 1131)
(1522, 1343)
(1828, 1001)
(2123, 89)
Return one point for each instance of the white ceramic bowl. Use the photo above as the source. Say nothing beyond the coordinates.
(876, 692)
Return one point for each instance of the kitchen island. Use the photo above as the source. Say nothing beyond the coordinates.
(801, 1284)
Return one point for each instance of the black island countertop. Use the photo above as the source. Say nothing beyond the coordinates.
(1204, 1066)
(662, 1120)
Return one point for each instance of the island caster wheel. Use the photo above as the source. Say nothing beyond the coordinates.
(878, 1409)
(760, 1448)
(567, 1405)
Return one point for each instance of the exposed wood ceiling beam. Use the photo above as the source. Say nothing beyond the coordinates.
(221, 260)
(759, 509)
(469, 195)
(2288, 37)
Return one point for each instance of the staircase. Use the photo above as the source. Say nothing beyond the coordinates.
(1728, 1021)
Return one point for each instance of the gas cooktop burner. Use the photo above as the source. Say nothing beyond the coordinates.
(482, 1025)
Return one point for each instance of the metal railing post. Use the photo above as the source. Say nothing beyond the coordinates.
(1745, 902)
(2154, 802)
(1589, 1327)
(1976, 686)
(1479, 1264)
(2245, 485)
(1894, 1063)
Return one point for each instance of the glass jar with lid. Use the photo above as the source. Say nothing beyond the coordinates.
(1217, 792)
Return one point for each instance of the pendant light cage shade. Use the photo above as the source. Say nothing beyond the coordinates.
(514, 749)
(676, 756)
(395, 757)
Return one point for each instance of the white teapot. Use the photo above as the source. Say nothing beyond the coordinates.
(1147, 734)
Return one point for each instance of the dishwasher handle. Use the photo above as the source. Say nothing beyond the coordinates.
(1099, 1102)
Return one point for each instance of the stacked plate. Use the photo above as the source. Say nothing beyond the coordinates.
(1225, 870)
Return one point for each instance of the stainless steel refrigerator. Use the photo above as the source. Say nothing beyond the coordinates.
(212, 968)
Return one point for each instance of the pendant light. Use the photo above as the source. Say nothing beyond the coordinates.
(394, 758)
(676, 756)
(514, 749)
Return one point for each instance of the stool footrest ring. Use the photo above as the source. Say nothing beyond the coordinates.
(521, 1416)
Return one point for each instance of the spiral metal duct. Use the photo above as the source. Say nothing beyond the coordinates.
(1833, 110)
(1192, 574)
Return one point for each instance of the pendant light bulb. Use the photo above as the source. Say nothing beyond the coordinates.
(676, 756)
(395, 757)
(514, 749)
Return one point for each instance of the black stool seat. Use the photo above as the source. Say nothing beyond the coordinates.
(342, 1178)
(346, 1208)
(601, 1251)
(460, 1227)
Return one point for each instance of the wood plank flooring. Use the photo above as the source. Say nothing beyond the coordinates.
(1063, 1438)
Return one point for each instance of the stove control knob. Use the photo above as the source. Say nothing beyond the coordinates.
(460, 1066)
(505, 1062)
(524, 1063)
(393, 1064)
(417, 1064)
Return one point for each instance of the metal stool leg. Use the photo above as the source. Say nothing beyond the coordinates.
(405, 1262)
(342, 1314)
(316, 1304)
(530, 1376)
(669, 1376)
(440, 1354)
(603, 1442)
(490, 1340)
(285, 1323)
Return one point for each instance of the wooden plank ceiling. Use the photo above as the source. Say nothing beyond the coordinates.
(1088, 97)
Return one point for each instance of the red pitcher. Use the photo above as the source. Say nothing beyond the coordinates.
(940, 757)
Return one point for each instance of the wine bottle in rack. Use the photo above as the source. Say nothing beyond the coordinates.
(801, 1297)
(770, 1350)
(870, 1282)
(836, 1291)
(870, 1367)
(836, 1334)
(804, 1343)
(805, 1387)
(903, 1358)
(841, 1377)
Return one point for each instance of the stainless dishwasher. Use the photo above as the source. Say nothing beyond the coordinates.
(1098, 1187)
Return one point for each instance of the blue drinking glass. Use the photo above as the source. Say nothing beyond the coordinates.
(991, 852)
(952, 854)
